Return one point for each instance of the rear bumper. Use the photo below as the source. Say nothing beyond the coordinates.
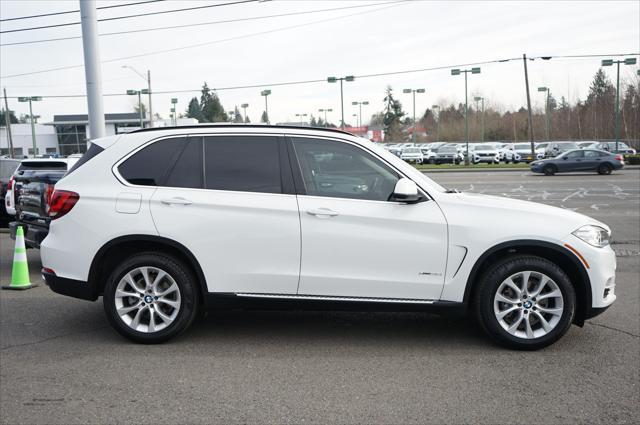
(33, 235)
(70, 287)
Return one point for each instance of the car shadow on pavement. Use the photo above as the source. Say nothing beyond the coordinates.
(336, 328)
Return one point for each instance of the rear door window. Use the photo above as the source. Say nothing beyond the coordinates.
(149, 166)
(242, 163)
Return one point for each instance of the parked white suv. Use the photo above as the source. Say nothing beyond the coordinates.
(164, 222)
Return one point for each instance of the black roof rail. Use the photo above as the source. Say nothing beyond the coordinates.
(225, 125)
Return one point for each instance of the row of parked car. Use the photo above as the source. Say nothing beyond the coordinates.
(495, 152)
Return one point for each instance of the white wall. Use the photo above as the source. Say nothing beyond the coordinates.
(45, 138)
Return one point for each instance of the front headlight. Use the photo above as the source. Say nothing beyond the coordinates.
(593, 235)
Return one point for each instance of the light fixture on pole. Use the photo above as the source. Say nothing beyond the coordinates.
(546, 110)
(326, 123)
(301, 116)
(244, 106)
(174, 102)
(139, 93)
(31, 99)
(610, 62)
(456, 71)
(341, 79)
(359, 104)
(414, 91)
(266, 93)
(478, 99)
(147, 78)
(434, 107)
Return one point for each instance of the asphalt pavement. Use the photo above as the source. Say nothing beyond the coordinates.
(60, 362)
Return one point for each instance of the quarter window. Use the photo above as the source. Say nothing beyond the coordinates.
(242, 163)
(149, 166)
(188, 169)
(341, 170)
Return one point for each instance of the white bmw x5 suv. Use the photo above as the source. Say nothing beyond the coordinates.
(164, 222)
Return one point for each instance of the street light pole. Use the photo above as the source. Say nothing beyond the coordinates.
(174, 102)
(466, 105)
(609, 62)
(301, 116)
(31, 119)
(266, 93)
(341, 79)
(147, 78)
(546, 111)
(326, 123)
(478, 99)
(365, 102)
(244, 106)
(413, 135)
(434, 107)
(139, 93)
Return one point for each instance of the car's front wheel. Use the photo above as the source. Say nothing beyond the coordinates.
(549, 169)
(525, 302)
(150, 298)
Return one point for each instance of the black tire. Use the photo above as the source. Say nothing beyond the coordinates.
(549, 169)
(489, 284)
(432, 161)
(183, 277)
(605, 169)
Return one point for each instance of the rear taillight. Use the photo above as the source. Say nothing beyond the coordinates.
(47, 197)
(62, 201)
(619, 158)
(10, 184)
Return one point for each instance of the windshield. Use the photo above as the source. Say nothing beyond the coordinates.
(485, 147)
(412, 150)
(522, 146)
(447, 149)
(568, 145)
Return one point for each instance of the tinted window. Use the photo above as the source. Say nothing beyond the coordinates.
(242, 163)
(575, 154)
(188, 170)
(341, 170)
(91, 152)
(149, 166)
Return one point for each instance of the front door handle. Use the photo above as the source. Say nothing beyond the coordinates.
(322, 212)
(176, 201)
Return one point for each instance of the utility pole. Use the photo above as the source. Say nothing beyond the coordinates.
(32, 99)
(526, 82)
(150, 108)
(92, 68)
(7, 119)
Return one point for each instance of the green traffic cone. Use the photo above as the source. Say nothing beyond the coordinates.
(20, 271)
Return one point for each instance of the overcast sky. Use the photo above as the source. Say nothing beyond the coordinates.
(359, 41)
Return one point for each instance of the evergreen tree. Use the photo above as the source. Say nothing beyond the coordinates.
(237, 116)
(264, 118)
(12, 118)
(393, 115)
(212, 110)
(194, 110)
(313, 122)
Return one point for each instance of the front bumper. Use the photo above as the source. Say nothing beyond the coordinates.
(70, 287)
(33, 235)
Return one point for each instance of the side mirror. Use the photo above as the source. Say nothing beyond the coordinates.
(406, 191)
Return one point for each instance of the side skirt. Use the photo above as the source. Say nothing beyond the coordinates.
(252, 301)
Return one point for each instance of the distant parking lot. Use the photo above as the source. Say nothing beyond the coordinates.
(60, 362)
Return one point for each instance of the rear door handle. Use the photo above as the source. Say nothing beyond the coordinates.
(176, 201)
(322, 212)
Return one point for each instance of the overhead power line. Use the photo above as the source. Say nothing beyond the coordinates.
(160, 12)
(324, 80)
(226, 21)
(77, 11)
(208, 43)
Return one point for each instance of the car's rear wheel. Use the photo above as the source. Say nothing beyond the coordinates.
(150, 298)
(525, 302)
(605, 169)
(549, 169)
